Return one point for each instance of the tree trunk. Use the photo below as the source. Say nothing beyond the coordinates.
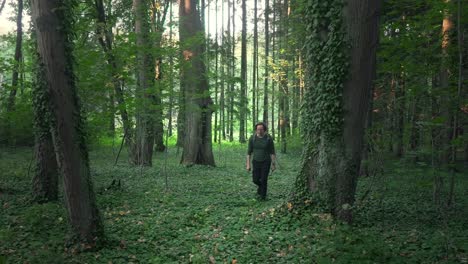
(2, 6)
(197, 141)
(414, 140)
(45, 179)
(334, 128)
(158, 117)
(398, 119)
(243, 90)
(295, 98)
(255, 109)
(171, 77)
(18, 58)
(233, 74)
(455, 128)
(283, 95)
(54, 49)
(442, 136)
(267, 51)
(222, 105)
(158, 18)
(181, 117)
(273, 84)
(216, 113)
(447, 103)
(146, 98)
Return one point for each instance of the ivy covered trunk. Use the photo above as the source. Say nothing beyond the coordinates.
(45, 179)
(340, 54)
(198, 104)
(146, 96)
(53, 22)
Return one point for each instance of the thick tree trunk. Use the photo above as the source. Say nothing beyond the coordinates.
(18, 57)
(332, 156)
(45, 179)
(67, 130)
(361, 18)
(364, 168)
(146, 98)
(198, 104)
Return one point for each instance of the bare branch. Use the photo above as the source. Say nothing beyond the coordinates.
(2, 6)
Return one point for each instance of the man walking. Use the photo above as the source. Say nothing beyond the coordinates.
(261, 151)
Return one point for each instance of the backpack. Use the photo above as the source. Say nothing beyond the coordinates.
(254, 136)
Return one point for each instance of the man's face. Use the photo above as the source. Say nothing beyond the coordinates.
(260, 130)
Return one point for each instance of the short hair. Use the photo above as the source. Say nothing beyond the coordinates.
(262, 124)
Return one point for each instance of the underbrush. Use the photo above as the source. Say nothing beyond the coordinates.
(174, 214)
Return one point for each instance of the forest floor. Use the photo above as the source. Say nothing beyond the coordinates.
(173, 214)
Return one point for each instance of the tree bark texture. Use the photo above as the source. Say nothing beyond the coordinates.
(362, 26)
(146, 97)
(158, 19)
(267, 51)
(45, 179)
(332, 156)
(243, 95)
(55, 52)
(198, 104)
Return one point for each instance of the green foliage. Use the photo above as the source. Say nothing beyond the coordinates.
(16, 127)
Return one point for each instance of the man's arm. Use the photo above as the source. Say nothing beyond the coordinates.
(249, 153)
(273, 156)
(273, 162)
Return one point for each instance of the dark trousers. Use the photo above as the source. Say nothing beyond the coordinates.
(260, 173)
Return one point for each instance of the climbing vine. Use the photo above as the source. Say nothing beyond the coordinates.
(322, 110)
(327, 64)
(67, 15)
